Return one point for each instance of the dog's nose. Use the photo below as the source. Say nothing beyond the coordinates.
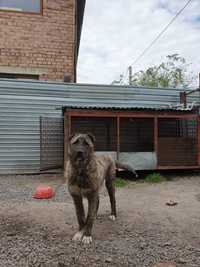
(80, 153)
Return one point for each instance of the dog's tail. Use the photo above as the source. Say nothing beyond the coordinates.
(126, 167)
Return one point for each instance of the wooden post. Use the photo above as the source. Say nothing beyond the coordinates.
(69, 125)
(198, 139)
(118, 137)
(198, 130)
(156, 138)
(65, 139)
(183, 99)
(67, 132)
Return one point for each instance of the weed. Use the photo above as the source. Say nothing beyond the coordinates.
(119, 182)
(155, 178)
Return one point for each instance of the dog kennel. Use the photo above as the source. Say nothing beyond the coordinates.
(146, 139)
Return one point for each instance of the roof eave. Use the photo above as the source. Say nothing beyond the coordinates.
(80, 7)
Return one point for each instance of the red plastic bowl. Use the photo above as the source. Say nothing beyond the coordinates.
(44, 192)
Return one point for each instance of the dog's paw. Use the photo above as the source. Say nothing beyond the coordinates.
(112, 217)
(86, 240)
(78, 236)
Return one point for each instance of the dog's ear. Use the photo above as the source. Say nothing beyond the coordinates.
(91, 136)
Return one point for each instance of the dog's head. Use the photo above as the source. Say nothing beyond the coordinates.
(81, 147)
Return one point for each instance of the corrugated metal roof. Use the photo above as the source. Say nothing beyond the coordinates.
(23, 102)
(110, 108)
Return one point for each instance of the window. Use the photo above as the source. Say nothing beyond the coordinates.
(19, 76)
(33, 6)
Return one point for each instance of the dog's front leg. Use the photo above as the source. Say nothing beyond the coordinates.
(80, 213)
(93, 202)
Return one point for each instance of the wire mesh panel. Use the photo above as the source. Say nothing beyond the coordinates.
(51, 143)
(104, 130)
(136, 135)
(177, 142)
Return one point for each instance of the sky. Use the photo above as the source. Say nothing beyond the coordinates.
(116, 32)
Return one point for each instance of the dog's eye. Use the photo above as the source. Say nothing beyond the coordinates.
(75, 142)
(85, 143)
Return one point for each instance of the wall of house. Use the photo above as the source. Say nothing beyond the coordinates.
(39, 44)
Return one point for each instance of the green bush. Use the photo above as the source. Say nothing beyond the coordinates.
(155, 178)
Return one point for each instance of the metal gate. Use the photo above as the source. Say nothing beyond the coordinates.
(51, 143)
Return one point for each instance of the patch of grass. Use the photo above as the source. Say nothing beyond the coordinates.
(119, 182)
(155, 178)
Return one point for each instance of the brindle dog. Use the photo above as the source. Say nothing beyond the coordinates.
(85, 173)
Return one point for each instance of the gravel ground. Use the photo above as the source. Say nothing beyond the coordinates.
(38, 233)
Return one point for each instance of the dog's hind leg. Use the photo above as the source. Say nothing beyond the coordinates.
(111, 192)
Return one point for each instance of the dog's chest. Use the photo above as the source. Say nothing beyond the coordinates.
(85, 191)
(78, 190)
(82, 185)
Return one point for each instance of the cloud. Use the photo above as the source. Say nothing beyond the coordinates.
(116, 32)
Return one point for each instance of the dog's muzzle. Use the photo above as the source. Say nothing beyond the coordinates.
(79, 155)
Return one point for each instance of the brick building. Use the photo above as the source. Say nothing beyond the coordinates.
(40, 39)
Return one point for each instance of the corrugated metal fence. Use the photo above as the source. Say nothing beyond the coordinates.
(22, 103)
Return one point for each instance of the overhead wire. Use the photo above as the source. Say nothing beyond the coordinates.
(157, 37)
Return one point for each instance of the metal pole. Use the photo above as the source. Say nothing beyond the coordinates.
(130, 74)
(199, 80)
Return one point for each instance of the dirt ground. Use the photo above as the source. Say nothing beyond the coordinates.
(38, 233)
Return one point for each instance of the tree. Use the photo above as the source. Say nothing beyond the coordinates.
(171, 73)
